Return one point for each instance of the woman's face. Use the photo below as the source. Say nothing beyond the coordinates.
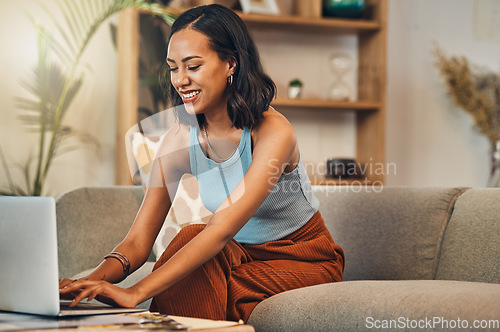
(197, 72)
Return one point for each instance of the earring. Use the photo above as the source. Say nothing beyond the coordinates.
(230, 80)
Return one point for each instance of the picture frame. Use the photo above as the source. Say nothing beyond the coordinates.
(259, 6)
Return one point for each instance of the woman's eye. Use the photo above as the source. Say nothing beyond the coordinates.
(172, 69)
(194, 67)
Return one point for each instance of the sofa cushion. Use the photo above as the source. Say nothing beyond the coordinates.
(393, 234)
(357, 305)
(471, 246)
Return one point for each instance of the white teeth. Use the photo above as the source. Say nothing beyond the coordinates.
(192, 94)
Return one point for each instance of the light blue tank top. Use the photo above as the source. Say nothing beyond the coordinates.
(287, 208)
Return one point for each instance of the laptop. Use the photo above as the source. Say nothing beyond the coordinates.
(29, 276)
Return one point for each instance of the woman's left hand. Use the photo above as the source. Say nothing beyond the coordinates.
(102, 291)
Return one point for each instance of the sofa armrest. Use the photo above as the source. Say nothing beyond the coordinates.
(91, 221)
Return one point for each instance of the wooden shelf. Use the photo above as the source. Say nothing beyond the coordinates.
(364, 106)
(311, 24)
(295, 23)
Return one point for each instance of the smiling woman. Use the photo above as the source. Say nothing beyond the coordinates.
(251, 89)
(261, 239)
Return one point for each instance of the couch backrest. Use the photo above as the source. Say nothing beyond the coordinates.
(393, 234)
(91, 221)
(471, 245)
(398, 233)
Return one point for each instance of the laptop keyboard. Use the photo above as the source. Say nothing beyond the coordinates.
(64, 305)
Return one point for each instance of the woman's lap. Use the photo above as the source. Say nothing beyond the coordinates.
(248, 274)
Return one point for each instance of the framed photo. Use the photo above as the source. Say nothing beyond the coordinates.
(259, 6)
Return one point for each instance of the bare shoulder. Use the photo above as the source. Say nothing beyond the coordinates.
(274, 136)
(274, 126)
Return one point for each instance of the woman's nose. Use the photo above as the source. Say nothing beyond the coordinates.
(181, 78)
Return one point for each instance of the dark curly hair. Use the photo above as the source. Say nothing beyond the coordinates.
(252, 90)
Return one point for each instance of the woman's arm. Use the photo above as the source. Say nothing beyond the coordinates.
(275, 147)
(168, 166)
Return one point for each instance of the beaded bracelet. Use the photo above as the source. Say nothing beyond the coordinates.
(123, 260)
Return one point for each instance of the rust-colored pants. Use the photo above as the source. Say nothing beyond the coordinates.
(231, 284)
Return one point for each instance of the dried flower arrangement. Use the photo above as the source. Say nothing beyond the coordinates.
(476, 90)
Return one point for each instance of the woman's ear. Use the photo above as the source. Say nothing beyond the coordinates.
(232, 65)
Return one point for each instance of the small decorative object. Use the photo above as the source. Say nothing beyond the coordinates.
(341, 168)
(343, 8)
(260, 6)
(340, 64)
(477, 91)
(294, 88)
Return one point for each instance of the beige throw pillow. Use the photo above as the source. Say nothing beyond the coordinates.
(187, 209)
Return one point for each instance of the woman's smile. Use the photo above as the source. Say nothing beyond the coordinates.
(189, 96)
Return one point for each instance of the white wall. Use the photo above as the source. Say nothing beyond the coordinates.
(433, 142)
(93, 110)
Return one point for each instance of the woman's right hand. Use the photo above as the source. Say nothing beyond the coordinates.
(63, 283)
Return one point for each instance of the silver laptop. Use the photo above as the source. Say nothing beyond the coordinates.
(29, 281)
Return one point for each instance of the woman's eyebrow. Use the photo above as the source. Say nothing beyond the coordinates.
(186, 58)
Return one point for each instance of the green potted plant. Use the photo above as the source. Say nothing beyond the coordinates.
(294, 88)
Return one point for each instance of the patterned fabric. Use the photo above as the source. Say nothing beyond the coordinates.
(232, 283)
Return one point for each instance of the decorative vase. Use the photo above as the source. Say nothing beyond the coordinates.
(294, 88)
(343, 8)
(294, 92)
(494, 180)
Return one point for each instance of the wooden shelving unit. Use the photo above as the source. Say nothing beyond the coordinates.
(358, 106)
(369, 108)
(310, 24)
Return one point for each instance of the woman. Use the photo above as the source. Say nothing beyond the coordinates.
(266, 235)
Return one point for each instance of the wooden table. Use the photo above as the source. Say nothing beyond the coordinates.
(162, 323)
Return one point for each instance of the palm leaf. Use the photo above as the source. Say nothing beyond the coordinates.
(67, 136)
(60, 29)
(41, 109)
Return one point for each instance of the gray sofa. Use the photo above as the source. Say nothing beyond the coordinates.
(425, 258)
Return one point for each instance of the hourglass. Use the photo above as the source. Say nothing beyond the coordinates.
(340, 65)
